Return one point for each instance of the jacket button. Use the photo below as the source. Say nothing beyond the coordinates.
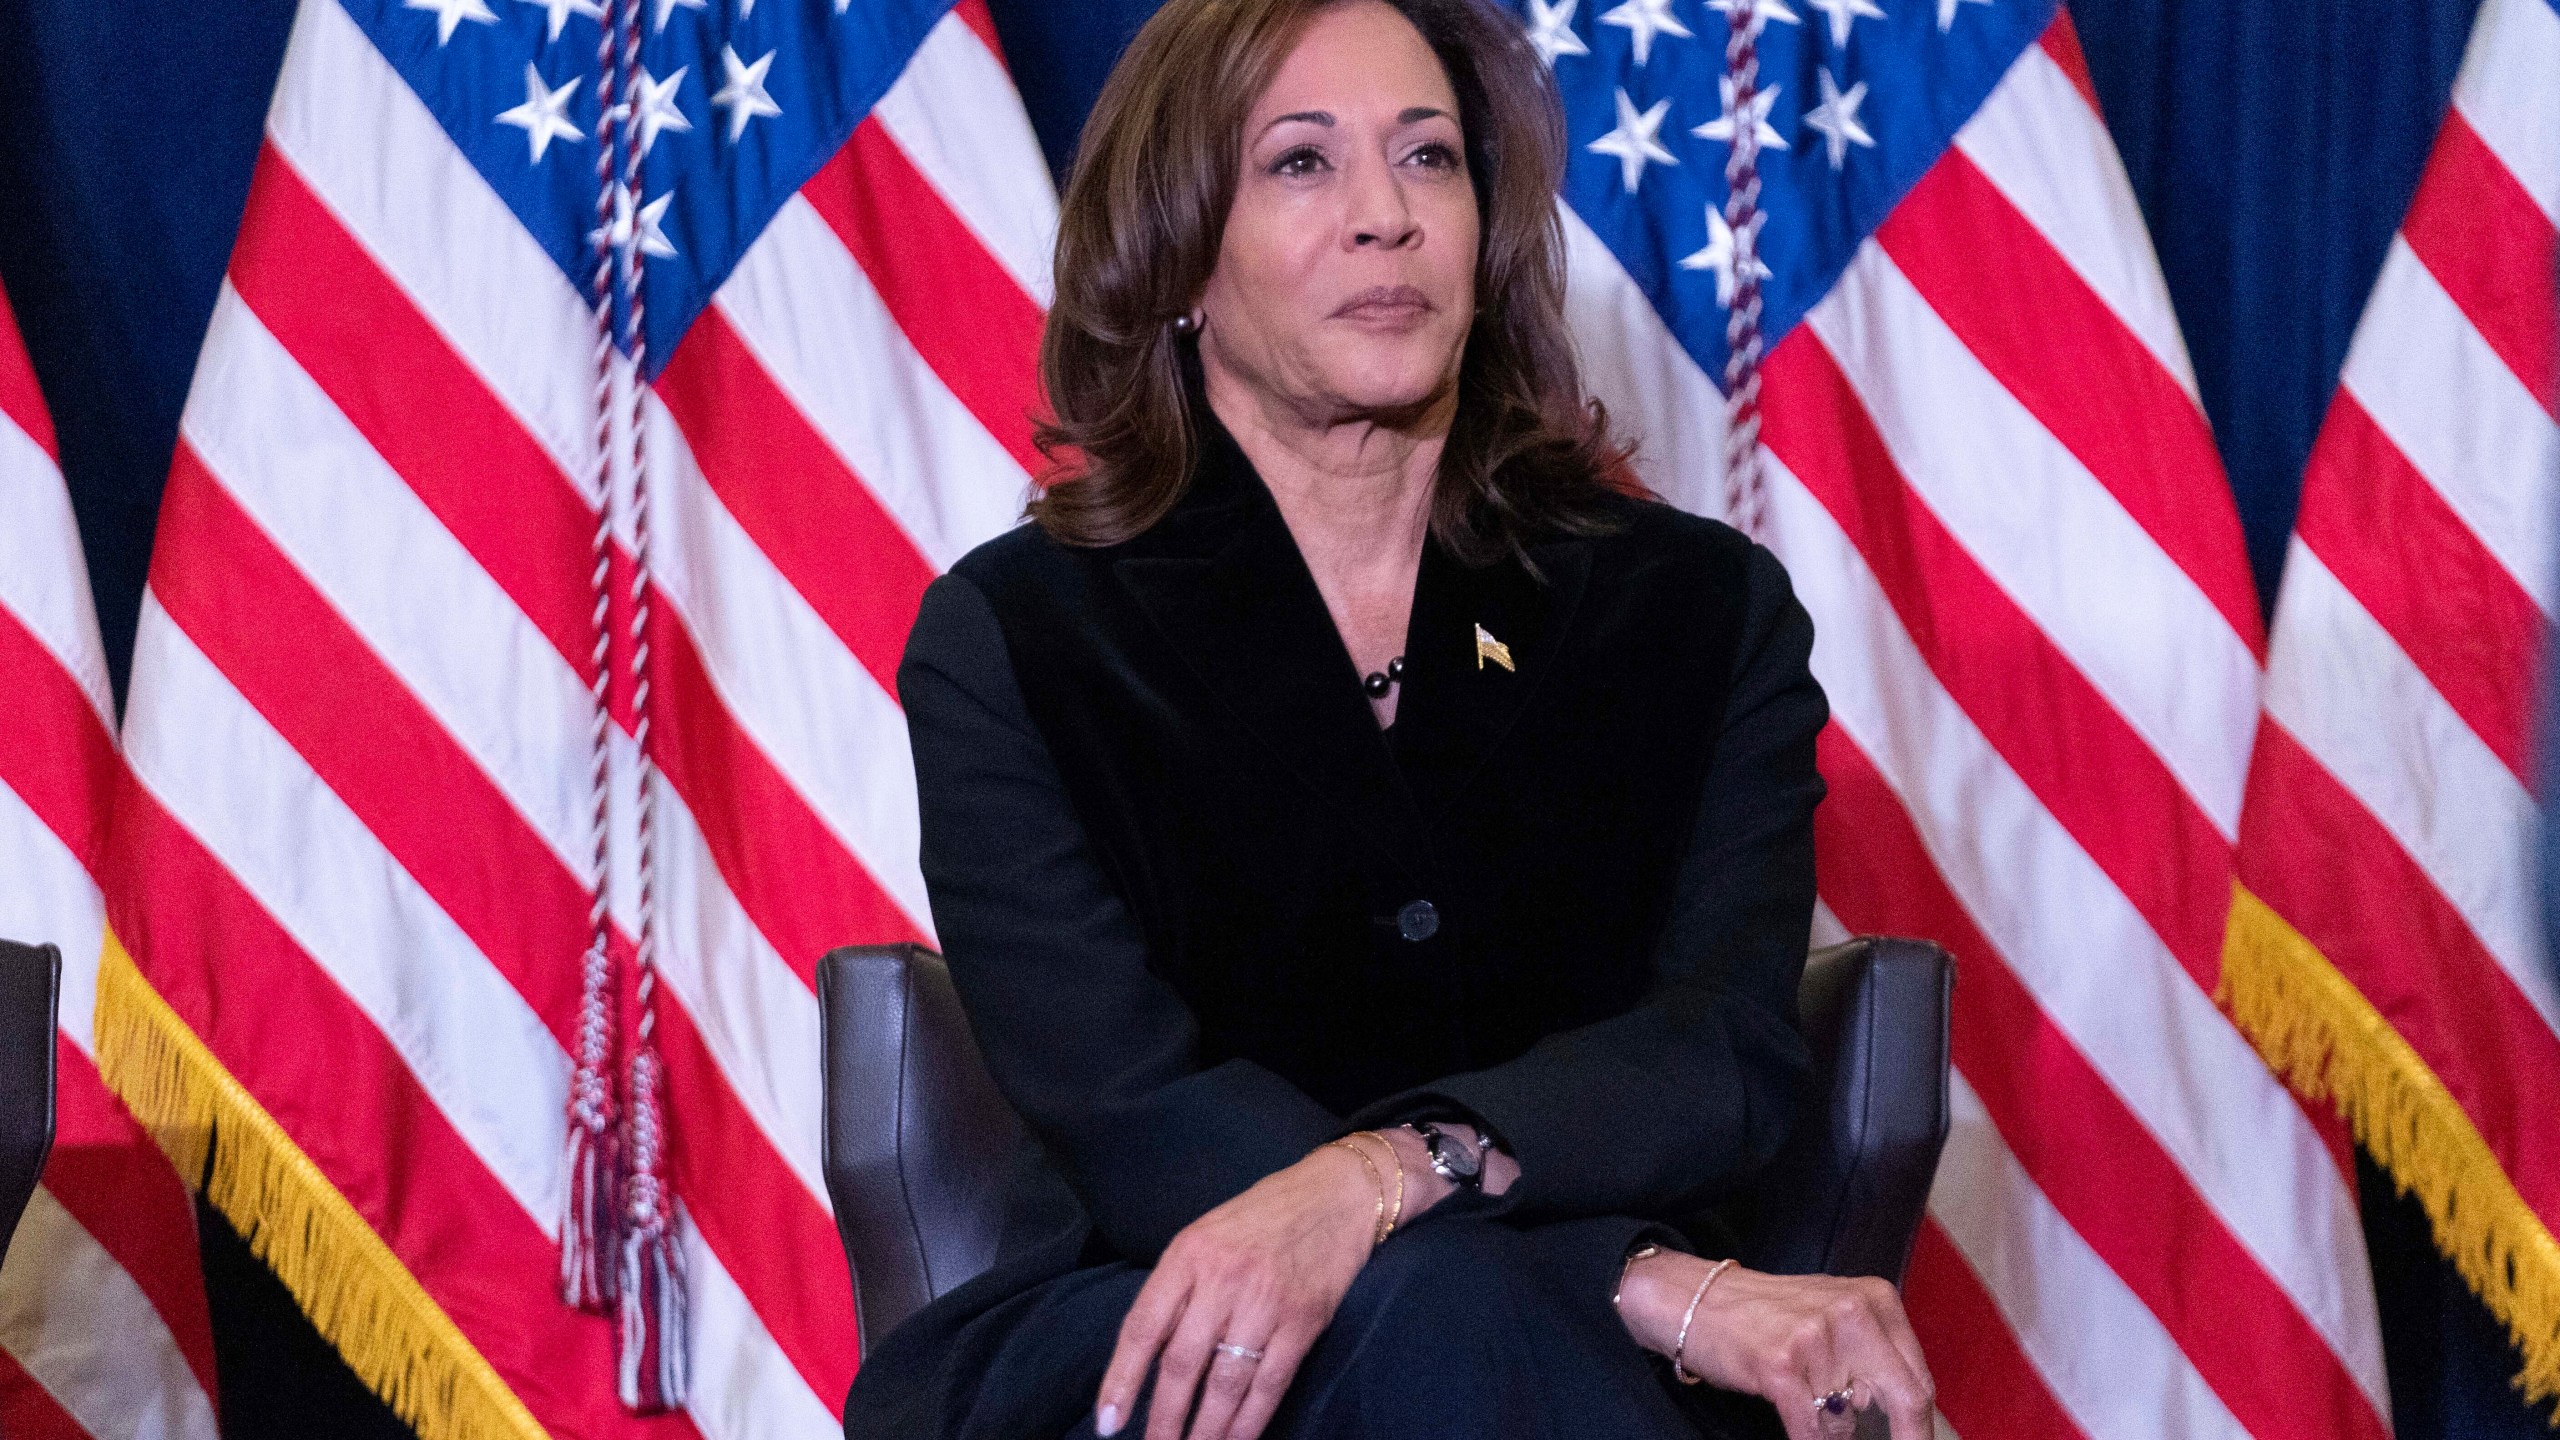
(1418, 920)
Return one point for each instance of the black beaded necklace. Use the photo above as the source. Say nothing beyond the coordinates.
(1379, 682)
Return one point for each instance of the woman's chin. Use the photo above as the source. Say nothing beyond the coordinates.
(1386, 389)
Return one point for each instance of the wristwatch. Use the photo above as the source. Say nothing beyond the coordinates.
(1452, 1159)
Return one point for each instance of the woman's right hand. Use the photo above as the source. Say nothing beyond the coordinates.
(1264, 1270)
(1788, 1339)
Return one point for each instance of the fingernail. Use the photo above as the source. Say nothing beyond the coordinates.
(1106, 1421)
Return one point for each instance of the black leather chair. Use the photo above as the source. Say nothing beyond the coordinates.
(30, 992)
(919, 1140)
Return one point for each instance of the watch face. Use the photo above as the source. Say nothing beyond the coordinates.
(1446, 1149)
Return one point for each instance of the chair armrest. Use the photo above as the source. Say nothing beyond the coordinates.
(30, 994)
(918, 1139)
(1846, 1193)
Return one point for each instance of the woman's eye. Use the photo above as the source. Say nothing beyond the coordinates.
(1305, 160)
(1437, 155)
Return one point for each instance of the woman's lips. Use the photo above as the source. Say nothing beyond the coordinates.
(1385, 303)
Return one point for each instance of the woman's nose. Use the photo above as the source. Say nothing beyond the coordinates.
(1380, 215)
(1389, 236)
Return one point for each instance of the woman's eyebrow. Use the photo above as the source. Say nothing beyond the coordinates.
(1312, 117)
(1407, 116)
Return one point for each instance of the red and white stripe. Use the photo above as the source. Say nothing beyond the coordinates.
(359, 715)
(1992, 483)
(2391, 816)
(103, 1329)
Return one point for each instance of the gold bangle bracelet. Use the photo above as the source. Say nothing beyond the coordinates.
(1680, 1346)
(1378, 1229)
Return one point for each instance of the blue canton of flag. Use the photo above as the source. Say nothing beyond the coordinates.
(1855, 102)
(740, 103)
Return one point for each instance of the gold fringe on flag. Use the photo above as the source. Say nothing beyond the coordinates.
(2321, 1034)
(396, 1338)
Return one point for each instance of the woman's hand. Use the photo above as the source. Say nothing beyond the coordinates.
(1787, 1339)
(1266, 1271)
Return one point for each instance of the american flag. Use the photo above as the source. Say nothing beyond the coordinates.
(2388, 948)
(1988, 473)
(350, 883)
(103, 1326)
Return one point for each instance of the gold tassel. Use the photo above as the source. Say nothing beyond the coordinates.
(359, 1296)
(2321, 1034)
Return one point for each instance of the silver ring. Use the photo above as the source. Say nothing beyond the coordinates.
(1835, 1403)
(1241, 1352)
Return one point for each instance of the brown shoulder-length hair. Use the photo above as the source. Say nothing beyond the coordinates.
(1139, 231)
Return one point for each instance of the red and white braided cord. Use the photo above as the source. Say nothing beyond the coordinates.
(619, 1249)
(652, 1299)
(1742, 215)
(591, 1217)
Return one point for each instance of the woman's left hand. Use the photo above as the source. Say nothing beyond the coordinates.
(1265, 1270)
(1790, 1339)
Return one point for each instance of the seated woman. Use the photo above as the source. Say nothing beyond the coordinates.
(1373, 849)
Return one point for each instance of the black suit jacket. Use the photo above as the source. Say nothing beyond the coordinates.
(1204, 915)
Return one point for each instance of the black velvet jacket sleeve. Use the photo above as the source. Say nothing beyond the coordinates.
(1093, 1050)
(1685, 1095)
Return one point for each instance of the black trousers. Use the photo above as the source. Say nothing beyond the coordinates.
(1459, 1328)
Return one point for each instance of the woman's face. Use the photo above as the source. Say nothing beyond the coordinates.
(1345, 284)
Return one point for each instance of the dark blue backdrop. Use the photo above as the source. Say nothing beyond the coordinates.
(2273, 145)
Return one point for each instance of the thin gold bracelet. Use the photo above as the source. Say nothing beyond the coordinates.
(1679, 1359)
(1393, 1163)
(1378, 1230)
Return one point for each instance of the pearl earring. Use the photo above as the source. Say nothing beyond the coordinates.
(1185, 323)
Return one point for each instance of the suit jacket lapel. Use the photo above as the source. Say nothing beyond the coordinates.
(1224, 581)
(1457, 707)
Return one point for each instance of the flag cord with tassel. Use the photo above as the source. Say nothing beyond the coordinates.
(619, 1251)
(587, 1222)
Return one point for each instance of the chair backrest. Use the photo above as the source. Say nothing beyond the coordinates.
(919, 1140)
(30, 990)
